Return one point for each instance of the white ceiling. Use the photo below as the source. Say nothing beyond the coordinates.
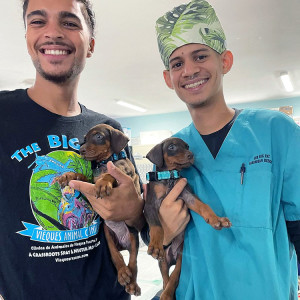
(264, 37)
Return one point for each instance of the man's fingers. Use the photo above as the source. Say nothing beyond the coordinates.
(83, 187)
(144, 191)
(176, 190)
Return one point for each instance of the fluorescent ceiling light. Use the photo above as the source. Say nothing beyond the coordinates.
(132, 106)
(286, 81)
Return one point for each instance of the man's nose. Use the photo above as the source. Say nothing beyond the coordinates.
(190, 69)
(53, 31)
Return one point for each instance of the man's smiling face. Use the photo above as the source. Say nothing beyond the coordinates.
(58, 38)
(196, 74)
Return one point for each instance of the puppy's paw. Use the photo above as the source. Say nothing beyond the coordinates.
(103, 188)
(124, 275)
(225, 222)
(65, 178)
(155, 247)
(133, 289)
(218, 223)
(156, 251)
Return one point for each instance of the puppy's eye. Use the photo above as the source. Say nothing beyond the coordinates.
(187, 146)
(172, 147)
(98, 138)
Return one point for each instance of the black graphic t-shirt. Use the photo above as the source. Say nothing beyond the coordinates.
(52, 244)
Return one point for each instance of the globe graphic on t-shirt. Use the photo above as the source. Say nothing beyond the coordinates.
(54, 207)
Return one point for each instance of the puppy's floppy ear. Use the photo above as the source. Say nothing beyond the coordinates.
(155, 155)
(118, 140)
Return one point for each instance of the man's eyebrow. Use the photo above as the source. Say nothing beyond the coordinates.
(67, 14)
(200, 50)
(173, 59)
(193, 53)
(62, 14)
(41, 13)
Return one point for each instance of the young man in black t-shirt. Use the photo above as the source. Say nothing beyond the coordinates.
(52, 241)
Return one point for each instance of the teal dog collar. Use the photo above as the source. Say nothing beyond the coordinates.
(156, 176)
(114, 157)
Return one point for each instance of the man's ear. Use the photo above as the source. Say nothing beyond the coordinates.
(91, 48)
(168, 80)
(227, 60)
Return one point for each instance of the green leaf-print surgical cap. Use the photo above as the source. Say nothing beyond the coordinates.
(195, 22)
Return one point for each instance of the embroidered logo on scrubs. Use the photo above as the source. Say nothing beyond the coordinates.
(261, 158)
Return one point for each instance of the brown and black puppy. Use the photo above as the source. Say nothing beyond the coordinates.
(101, 144)
(172, 155)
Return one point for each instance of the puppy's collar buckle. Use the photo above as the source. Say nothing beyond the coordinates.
(156, 176)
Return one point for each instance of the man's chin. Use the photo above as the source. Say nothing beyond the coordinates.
(57, 78)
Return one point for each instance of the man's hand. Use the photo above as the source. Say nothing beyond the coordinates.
(124, 203)
(173, 213)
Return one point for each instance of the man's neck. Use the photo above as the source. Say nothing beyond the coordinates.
(59, 99)
(211, 118)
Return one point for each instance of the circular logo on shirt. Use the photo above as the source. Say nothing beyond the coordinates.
(57, 208)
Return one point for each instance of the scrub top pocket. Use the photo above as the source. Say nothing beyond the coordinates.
(253, 199)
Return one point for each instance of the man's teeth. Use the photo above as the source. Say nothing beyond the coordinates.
(56, 52)
(196, 84)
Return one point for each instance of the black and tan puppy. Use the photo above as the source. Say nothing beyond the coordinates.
(101, 144)
(171, 156)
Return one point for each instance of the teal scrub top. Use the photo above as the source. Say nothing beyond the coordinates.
(254, 259)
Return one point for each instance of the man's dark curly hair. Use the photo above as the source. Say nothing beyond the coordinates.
(88, 14)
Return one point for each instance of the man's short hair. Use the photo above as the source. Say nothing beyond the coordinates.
(88, 13)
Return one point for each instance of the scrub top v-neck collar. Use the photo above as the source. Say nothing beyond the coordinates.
(227, 146)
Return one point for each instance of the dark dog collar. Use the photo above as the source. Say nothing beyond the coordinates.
(114, 157)
(156, 176)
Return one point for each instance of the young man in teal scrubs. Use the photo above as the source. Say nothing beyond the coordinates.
(247, 167)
